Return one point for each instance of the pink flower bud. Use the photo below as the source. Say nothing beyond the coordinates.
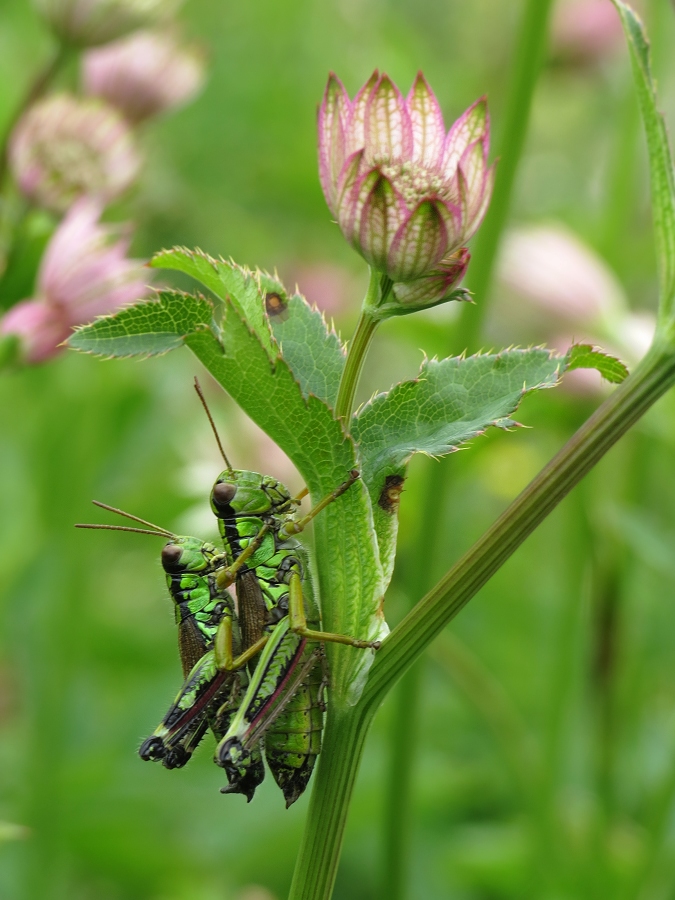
(64, 148)
(90, 22)
(144, 74)
(84, 273)
(406, 195)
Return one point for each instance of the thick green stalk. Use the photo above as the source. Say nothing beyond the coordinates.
(650, 380)
(320, 851)
(358, 349)
(341, 751)
(527, 62)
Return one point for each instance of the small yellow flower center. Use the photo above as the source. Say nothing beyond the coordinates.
(414, 181)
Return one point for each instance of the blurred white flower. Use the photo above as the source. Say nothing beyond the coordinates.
(89, 22)
(558, 290)
(559, 274)
(84, 273)
(144, 74)
(63, 148)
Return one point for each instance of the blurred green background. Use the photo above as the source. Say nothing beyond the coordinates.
(541, 728)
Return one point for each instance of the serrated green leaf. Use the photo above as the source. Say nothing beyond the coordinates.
(451, 402)
(226, 280)
(349, 574)
(660, 160)
(148, 328)
(585, 356)
(314, 353)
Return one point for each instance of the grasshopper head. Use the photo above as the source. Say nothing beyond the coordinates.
(187, 554)
(241, 493)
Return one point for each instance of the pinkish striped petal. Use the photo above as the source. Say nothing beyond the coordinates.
(387, 124)
(381, 216)
(451, 214)
(333, 114)
(472, 174)
(356, 133)
(471, 126)
(419, 244)
(426, 118)
(473, 223)
(353, 188)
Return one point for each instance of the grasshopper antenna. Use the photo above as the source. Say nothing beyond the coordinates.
(151, 528)
(124, 528)
(200, 394)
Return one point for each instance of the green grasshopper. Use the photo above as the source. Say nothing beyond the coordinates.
(199, 605)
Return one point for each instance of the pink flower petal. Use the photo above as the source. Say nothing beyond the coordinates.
(471, 126)
(40, 326)
(428, 130)
(379, 219)
(387, 124)
(419, 244)
(333, 114)
(356, 134)
(472, 175)
(473, 223)
(354, 185)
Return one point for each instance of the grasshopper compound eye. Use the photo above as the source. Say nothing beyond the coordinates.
(223, 493)
(171, 556)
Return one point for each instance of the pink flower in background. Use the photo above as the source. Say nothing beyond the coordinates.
(553, 269)
(144, 74)
(89, 22)
(84, 273)
(405, 194)
(585, 30)
(64, 148)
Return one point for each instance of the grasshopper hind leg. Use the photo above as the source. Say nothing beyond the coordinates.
(244, 769)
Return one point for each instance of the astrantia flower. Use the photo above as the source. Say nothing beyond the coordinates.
(84, 273)
(63, 148)
(406, 195)
(90, 22)
(143, 74)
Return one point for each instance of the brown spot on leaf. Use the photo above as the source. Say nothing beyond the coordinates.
(390, 497)
(275, 304)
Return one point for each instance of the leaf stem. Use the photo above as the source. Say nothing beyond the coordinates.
(358, 347)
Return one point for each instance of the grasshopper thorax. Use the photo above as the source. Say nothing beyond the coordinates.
(187, 554)
(238, 493)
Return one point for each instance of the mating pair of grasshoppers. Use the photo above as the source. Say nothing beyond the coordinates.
(254, 672)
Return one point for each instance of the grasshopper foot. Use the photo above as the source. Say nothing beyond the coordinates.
(152, 749)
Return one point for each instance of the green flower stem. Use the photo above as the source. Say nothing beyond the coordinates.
(347, 728)
(528, 57)
(358, 347)
(36, 89)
